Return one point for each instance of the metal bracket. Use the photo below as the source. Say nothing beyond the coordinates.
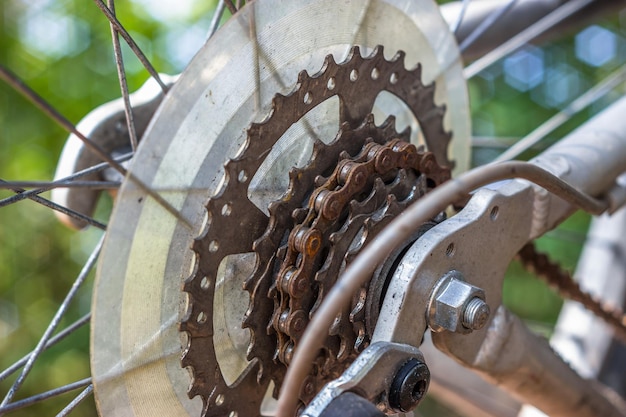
(479, 242)
(371, 375)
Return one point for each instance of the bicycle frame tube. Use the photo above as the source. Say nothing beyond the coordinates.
(484, 237)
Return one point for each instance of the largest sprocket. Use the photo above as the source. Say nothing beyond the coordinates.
(236, 226)
(227, 91)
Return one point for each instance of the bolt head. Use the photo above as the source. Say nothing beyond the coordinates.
(409, 386)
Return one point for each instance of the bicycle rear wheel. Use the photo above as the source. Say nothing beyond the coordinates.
(170, 353)
(191, 142)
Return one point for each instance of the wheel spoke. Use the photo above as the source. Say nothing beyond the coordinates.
(121, 75)
(582, 102)
(84, 394)
(94, 185)
(36, 99)
(58, 207)
(94, 169)
(525, 36)
(53, 341)
(457, 24)
(231, 6)
(217, 16)
(53, 324)
(255, 52)
(19, 86)
(485, 25)
(131, 43)
(44, 396)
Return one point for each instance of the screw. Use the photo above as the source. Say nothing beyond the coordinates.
(476, 314)
(409, 386)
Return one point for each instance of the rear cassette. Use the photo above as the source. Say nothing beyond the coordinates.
(284, 286)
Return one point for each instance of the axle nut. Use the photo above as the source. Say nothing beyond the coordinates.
(457, 306)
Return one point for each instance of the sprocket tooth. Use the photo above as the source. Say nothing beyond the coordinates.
(194, 391)
(303, 77)
(398, 58)
(185, 360)
(335, 327)
(378, 51)
(389, 123)
(355, 53)
(369, 121)
(329, 61)
(362, 339)
(358, 311)
(317, 148)
(345, 348)
(435, 113)
(344, 127)
(197, 245)
(405, 136)
(417, 72)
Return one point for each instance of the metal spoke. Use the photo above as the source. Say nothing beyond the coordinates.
(497, 142)
(485, 25)
(131, 43)
(217, 17)
(84, 394)
(525, 36)
(53, 324)
(59, 208)
(475, 34)
(15, 82)
(121, 75)
(96, 185)
(231, 6)
(582, 102)
(257, 71)
(53, 341)
(92, 170)
(44, 396)
(36, 99)
(454, 28)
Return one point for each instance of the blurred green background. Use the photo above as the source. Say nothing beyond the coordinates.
(62, 49)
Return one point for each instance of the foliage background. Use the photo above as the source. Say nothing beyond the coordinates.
(62, 50)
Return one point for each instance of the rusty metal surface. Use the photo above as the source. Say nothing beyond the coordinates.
(364, 165)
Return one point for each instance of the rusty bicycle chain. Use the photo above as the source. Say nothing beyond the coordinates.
(559, 278)
(365, 220)
(295, 302)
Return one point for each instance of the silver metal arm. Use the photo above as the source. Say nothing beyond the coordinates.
(484, 240)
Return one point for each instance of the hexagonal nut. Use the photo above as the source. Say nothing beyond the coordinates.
(448, 304)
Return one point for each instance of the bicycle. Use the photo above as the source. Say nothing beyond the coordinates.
(135, 187)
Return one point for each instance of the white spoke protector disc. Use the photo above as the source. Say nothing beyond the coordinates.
(203, 121)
